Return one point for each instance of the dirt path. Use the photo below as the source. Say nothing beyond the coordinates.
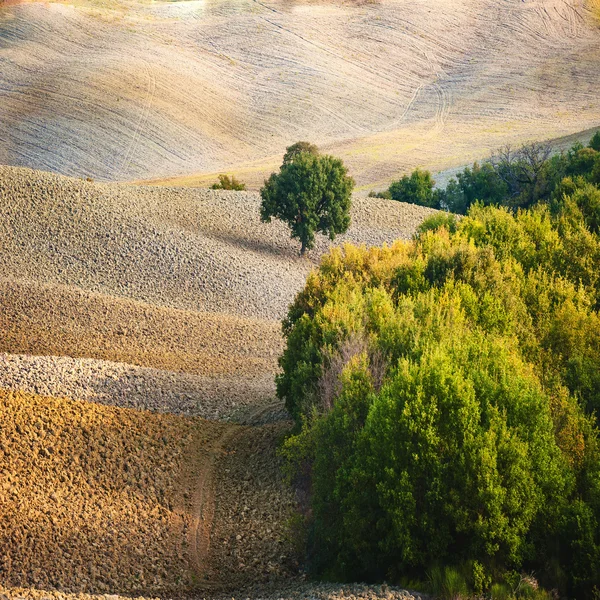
(219, 494)
(203, 508)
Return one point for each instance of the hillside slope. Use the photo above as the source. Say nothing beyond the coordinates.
(190, 249)
(128, 316)
(104, 499)
(179, 290)
(125, 89)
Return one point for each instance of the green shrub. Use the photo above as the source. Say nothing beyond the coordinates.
(415, 189)
(501, 591)
(437, 221)
(481, 580)
(447, 583)
(481, 183)
(515, 178)
(228, 183)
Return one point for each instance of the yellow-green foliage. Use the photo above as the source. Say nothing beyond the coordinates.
(466, 373)
(228, 183)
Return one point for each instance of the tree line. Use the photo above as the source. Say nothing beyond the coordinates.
(516, 178)
(446, 391)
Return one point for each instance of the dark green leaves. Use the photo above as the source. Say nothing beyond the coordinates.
(311, 193)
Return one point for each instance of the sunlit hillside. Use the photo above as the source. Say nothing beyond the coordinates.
(131, 90)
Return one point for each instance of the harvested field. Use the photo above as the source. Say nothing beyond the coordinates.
(129, 90)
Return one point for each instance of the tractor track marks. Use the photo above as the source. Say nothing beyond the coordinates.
(218, 87)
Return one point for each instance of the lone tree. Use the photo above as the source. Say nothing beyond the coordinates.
(311, 193)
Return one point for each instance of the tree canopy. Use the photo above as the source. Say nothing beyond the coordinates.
(416, 188)
(447, 396)
(295, 149)
(311, 193)
(512, 177)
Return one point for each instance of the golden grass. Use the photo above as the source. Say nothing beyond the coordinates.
(375, 160)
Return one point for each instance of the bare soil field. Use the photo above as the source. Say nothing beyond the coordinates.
(221, 397)
(128, 316)
(126, 90)
(101, 499)
(65, 321)
(92, 497)
(190, 249)
(97, 500)
(293, 591)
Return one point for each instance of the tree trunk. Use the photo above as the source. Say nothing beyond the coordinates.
(303, 249)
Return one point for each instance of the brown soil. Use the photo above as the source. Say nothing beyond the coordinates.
(287, 591)
(64, 321)
(253, 505)
(101, 499)
(91, 498)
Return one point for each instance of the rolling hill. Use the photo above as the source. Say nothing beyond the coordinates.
(139, 336)
(132, 90)
(140, 315)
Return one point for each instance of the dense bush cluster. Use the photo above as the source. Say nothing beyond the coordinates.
(447, 393)
(513, 178)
